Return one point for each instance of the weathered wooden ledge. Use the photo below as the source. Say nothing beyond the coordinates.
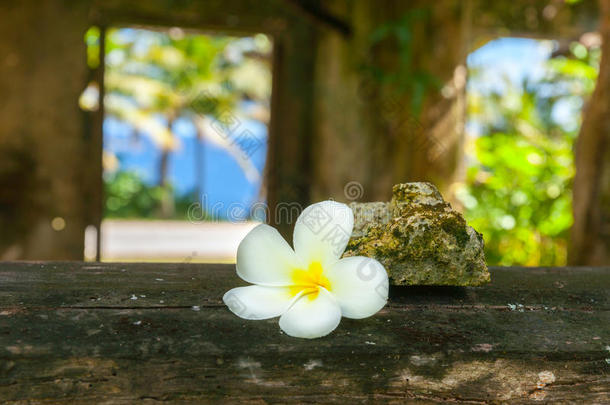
(124, 333)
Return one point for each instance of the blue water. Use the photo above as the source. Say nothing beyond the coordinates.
(224, 184)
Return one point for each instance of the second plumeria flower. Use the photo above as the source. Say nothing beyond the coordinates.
(310, 288)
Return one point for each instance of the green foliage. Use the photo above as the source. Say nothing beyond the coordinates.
(152, 73)
(128, 196)
(92, 40)
(519, 181)
(176, 74)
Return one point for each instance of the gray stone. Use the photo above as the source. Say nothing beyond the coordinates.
(419, 239)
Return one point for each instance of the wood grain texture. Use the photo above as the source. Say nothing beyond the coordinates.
(125, 333)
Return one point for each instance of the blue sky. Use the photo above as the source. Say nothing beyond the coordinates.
(514, 58)
(518, 59)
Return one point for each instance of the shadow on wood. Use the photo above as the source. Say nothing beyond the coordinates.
(121, 333)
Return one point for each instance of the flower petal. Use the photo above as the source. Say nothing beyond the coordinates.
(311, 318)
(322, 231)
(359, 284)
(265, 258)
(258, 302)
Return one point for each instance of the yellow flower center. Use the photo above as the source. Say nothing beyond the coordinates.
(309, 281)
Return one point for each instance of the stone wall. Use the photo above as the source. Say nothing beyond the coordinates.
(377, 121)
(42, 73)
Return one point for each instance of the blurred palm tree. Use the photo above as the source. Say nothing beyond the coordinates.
(153, 78)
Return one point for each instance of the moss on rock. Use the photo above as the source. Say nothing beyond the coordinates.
(419, 239)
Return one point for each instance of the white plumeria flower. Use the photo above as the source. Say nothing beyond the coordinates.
(310, 287)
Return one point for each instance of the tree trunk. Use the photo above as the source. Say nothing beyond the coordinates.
(167, 199)
(590, 244)
(199, 167)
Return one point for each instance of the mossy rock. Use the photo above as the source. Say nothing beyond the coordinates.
(419, 239)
